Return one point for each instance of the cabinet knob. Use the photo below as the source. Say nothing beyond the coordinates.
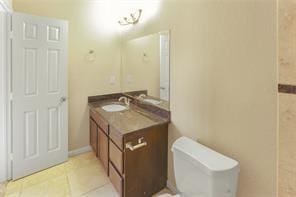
(140, 144)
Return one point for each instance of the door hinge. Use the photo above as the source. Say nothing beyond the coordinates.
(10, 35)
(11, 96)
(11, 157)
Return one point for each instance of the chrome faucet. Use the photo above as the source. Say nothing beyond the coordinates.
(141, 96)
(126, 100)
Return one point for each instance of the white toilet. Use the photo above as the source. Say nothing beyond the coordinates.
(202, 172)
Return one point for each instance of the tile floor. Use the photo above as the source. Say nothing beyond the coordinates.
(2, 189)
(81, 176)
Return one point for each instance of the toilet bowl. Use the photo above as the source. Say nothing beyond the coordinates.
(202, 172)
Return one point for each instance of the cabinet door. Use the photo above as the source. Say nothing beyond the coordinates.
(145, 166)
(94, 136)
(103, 149)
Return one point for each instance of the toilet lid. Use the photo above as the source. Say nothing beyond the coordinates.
(202, 155)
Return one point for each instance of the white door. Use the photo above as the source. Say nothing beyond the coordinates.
(39, 86)
(165, 65)
(3, 150)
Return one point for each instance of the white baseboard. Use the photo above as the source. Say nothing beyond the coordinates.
(3, 179)
(172, 187)
(79, 151)
(70, 153)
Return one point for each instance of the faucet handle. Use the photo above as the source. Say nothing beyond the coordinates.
(128, 101)
(141, 96)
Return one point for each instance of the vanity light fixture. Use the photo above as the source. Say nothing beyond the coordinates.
(132, 19)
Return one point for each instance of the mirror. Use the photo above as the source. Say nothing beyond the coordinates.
(145, 71)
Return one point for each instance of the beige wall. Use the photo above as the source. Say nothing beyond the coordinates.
(223, 76)
(223, 82)
(139, 72)
(287, 102)
(86, 32)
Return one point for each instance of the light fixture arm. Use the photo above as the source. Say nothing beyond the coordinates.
(132, 20)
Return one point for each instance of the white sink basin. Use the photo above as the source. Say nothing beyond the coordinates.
(114, 108)
(153, 101)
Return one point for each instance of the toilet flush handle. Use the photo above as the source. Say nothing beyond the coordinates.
(140, 144)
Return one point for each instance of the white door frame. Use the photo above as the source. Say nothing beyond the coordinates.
(5, 6)
(168, 35)
(5, 170)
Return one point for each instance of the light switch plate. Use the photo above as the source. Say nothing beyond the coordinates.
(129, 79)
(112, 80)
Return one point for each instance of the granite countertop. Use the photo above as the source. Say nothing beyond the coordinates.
(127, 121)
(163, 103)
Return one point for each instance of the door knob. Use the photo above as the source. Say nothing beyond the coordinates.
(63, 99)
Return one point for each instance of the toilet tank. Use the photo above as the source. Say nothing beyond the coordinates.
(202, 172)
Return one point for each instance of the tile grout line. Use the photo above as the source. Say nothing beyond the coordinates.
(66, 171)
(21, 190)
(68, 183)
(95, 189)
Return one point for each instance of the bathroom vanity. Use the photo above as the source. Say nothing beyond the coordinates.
(131, 140)
(132, 144)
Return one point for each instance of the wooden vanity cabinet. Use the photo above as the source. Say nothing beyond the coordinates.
(146, 168)
(142, 171)
(135, 162)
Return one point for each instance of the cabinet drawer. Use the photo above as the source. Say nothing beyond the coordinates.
(99, 120)
(116, 137)
(116, 157)
(115, 179)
